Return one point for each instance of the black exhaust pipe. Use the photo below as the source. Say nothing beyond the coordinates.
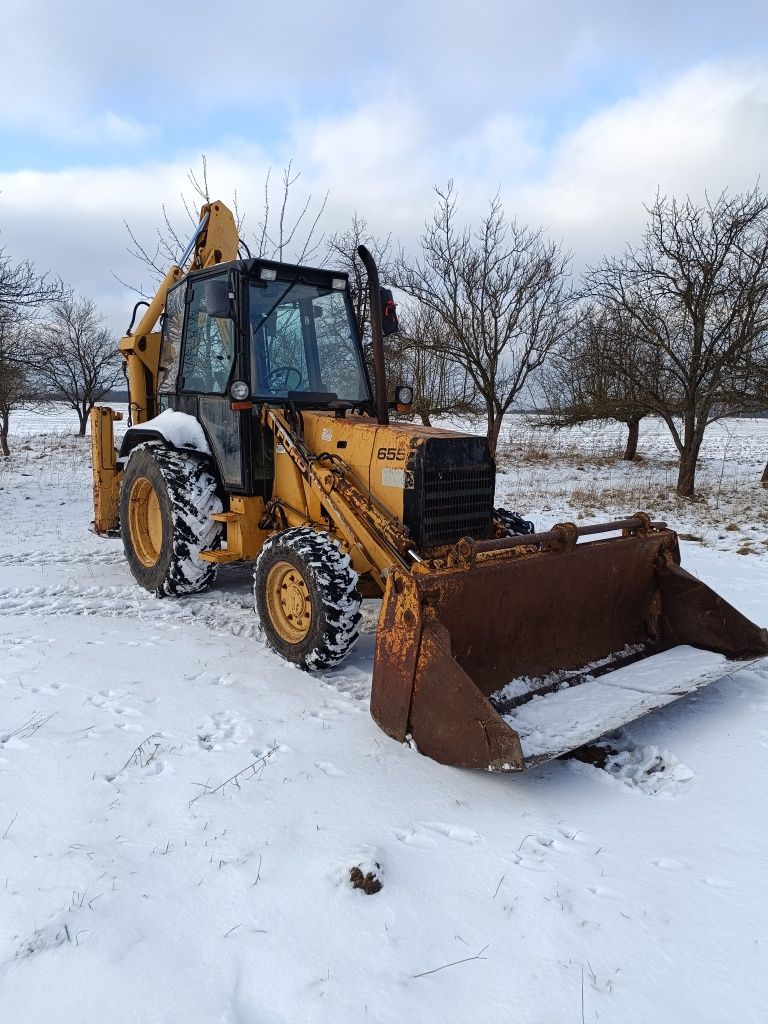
(377, 333)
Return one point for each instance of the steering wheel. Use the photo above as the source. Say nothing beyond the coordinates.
(277, 379)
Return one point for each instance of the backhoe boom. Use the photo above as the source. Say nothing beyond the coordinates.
(215, 241)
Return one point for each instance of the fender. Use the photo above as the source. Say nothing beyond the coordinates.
(177, 430)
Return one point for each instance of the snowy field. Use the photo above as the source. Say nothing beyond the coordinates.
(132, 889)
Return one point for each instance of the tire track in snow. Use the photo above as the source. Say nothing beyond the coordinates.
(62, 557)
(216, 612)
(220, 613)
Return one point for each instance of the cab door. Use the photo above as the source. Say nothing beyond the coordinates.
(209, 359)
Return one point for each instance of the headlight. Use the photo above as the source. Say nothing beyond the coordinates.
(404, 395)
(239, 390)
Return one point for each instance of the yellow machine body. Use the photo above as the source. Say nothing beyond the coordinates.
(481, 633)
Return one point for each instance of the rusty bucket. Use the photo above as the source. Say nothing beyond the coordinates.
(508, 653)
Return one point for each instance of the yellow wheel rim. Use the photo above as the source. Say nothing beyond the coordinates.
(288, 602)
(145, 521)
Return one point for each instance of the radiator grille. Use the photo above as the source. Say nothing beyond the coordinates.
(458, 502)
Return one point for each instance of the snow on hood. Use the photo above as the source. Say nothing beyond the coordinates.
(179, 429)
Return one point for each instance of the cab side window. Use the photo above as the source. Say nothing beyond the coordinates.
(170, 344)
(209, 349)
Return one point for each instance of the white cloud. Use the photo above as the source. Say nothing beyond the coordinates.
(71, 64)
(702, 129)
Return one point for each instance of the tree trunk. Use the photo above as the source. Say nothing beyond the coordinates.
(425, 419)
(764, 477)
(4, 417)
(494, 429)
(632, 438)
(689, 457)
(83, 417)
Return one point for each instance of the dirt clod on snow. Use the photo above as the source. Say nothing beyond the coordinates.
(369, 883)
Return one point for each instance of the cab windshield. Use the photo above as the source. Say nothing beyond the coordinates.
(303, 340)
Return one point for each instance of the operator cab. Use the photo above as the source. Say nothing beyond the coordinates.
(303, 343)
(251, 331)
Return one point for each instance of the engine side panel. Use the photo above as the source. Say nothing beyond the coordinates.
(439, 483)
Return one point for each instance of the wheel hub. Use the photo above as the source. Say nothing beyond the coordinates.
(289, 602)
(145, 522)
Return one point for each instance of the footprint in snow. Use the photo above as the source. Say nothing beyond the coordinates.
(603, 893)
(222, 729)
(574, 835)
(458, 834)
(719, 883)
(417, 836)
(112, 700)
(226, 680)
(127, 726)
(329, 769)
(668, 864)
(412, 837)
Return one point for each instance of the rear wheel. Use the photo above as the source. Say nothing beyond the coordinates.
(166, 501)
(513, 523)
(306, 596)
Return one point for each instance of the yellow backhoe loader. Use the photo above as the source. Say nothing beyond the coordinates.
(255, 435)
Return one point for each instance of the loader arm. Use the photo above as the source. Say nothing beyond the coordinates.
(215, 241)
(361, 520)
(458, 624)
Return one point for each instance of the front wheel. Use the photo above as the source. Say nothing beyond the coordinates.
(306, 596)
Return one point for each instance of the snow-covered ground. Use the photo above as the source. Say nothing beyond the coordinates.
(130, 890)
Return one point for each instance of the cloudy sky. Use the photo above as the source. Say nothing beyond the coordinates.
(577, 113)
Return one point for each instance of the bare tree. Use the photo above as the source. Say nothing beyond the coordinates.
(441, 386)
(412, 356)
(342, 254)
(22, 290)
(501, 296)
(693, 297)
(580, 381)
(14, 382)
(285, 230)
(285, 235)
(23, 293)
(76, 358)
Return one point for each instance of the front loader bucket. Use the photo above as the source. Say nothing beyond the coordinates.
(517, 651)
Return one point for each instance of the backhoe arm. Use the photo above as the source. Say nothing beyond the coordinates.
(215, 241)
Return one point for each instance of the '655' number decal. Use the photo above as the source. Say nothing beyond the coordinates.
(391, 454)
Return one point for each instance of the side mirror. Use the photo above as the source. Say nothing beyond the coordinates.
(218, 299)
(389, 324)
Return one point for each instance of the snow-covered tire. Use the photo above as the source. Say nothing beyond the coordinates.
(513, 523)
(306, 597)
(178, 491)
